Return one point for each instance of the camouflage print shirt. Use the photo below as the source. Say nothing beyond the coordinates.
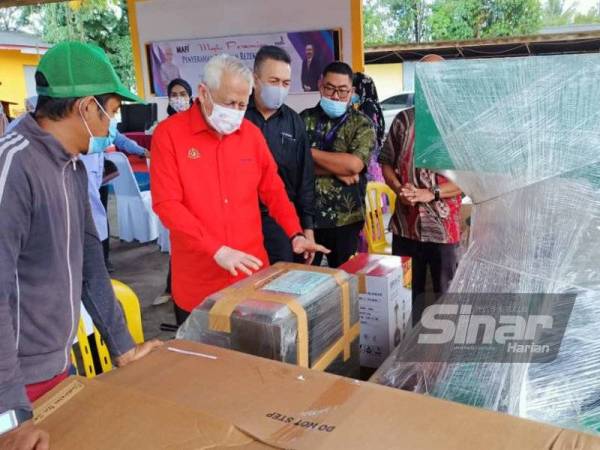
(336, 203)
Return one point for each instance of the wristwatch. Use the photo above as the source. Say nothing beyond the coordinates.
(435, 190)
(11, 419)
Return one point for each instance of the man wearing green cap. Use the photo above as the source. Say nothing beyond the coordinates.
(50, 254)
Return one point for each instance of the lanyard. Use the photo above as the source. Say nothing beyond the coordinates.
(328, 138)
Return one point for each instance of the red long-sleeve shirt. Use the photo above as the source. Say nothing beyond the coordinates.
(206, 191)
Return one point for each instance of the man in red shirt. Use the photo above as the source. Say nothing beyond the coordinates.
(210, 168)
(426, 221)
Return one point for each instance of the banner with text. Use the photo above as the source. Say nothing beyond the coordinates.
(310, 52)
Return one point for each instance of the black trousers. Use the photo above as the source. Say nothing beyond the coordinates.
(180, 315)
(168, 287)
(439, 259)
(276, 242)
(342, 241)
(106, 242)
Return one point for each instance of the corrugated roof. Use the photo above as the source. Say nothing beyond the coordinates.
(540, 44)
(19, 39)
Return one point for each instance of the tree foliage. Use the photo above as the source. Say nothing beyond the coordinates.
(375, 23)
(13, 18)
(101, 22)
(411, 20)
(397, 21)
(555, 13)
(592, 16)
(478, 19)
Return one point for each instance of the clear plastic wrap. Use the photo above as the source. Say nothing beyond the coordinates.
(266, 328)
(521, 137)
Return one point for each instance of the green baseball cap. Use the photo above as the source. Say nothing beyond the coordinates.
(76, 69)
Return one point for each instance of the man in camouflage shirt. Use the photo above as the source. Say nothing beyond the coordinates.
(342, 140)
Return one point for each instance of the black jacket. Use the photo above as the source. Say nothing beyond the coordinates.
(285, 134)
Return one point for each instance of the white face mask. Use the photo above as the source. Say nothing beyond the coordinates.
(225, 120)
(179, 104)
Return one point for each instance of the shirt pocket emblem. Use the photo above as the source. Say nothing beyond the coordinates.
(194, 154)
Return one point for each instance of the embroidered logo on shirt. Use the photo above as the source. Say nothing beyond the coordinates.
(194, 154)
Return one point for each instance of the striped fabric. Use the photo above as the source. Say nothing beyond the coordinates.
(437, 221)
(10, 144)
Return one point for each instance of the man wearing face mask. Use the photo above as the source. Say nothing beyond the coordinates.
(284, 131)
(210, 170)
(342, 140)
(50, 255)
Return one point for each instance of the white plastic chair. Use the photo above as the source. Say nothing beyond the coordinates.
(137, 221)
(164, 239)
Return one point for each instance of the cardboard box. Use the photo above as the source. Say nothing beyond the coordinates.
(288, 312)
(384, 305)
(291, 407)
(86, 414)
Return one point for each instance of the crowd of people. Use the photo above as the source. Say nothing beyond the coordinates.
(238, 178)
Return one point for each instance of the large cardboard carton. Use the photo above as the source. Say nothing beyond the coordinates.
(292, 407)
(384, 304)
(288, 312)
(84, 414)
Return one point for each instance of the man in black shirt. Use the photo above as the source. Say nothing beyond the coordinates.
(285, 133)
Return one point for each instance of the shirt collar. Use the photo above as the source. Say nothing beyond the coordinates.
(252, 107)
(197, 121)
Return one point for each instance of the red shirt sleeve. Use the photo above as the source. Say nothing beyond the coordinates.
(167, 194)
(272, 193)
(441, 179)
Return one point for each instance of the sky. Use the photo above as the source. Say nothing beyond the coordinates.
(583, 5)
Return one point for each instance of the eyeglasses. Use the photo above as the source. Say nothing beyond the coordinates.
(342, 92)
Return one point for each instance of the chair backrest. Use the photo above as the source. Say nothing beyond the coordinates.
(124, 184)
(374, 222)
(131, 310)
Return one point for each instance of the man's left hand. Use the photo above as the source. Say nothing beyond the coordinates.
(137, 352)
(303, 246)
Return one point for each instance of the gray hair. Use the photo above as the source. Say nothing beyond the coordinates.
(217, 65)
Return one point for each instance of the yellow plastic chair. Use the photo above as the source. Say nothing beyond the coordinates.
(374, 222)
(131, 310)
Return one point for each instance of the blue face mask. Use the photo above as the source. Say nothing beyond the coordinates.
(355, 99)
(333, 108)
(99, 144)
(273, 96)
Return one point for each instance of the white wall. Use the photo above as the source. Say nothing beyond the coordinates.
(183, 19)
(30, 80)
(408, 72)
